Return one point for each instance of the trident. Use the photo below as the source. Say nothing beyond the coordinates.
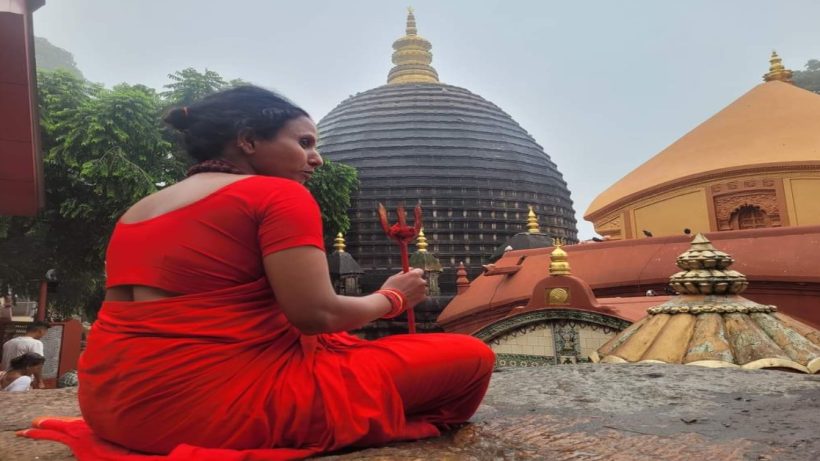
(403, 234)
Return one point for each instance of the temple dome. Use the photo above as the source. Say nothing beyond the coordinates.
(472, 167)
(772, 126)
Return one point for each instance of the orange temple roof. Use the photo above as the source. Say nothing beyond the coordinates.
(774, 124)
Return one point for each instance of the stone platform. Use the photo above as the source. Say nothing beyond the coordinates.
(572, 412)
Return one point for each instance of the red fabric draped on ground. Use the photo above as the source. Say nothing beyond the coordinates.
(224, 375)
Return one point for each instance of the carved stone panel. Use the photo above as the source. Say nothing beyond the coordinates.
(751, 196)
(550, 342)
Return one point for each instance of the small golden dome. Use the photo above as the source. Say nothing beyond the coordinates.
(559, 260)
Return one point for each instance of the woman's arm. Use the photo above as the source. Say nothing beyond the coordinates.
(300, 280)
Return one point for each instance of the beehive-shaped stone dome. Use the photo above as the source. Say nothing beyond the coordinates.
(472, 167)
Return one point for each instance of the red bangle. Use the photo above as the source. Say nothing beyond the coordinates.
(398, 302)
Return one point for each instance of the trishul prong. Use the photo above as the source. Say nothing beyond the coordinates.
(403, 235)
(383, 219)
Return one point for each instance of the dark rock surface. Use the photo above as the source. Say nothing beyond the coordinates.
(580, 412)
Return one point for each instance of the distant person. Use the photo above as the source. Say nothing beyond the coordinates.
(30, 342)
(220, 329)
(19, 377)
(5, 308)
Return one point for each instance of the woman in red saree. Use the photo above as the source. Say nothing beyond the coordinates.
(221, 336)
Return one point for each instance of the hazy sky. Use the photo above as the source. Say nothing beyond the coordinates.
(601, 85)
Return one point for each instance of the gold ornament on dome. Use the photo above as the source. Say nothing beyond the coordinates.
(339, 243)
(777, 71)
(559, 260)
(532, 222)
(421, 242)
(412, 57)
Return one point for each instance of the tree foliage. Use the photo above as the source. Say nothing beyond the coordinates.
(189, 85)
(103, 150)
(809, 78)
(333, 186)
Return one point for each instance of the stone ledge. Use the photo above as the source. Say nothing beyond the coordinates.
(573, 412)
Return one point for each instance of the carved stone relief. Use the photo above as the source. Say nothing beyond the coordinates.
(727, 205)
(755, 196)
(553, 342)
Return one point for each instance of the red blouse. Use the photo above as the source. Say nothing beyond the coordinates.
(218, 241)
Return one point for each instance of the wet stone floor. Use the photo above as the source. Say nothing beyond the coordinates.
(571, 412)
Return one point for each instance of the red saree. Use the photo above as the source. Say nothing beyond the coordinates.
(223, 375)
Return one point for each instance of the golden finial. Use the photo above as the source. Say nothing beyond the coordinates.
(777, 71)
(705, 270)
(421, 243)
(559, 261)
(532, 222)
(412, 57)
(339, 243)
(411, 22)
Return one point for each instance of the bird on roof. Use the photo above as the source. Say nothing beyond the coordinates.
(647, 233)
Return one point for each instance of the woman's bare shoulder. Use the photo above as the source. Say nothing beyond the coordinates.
(179, 195)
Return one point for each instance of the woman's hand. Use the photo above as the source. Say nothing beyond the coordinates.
(301, 284)
(411, 284)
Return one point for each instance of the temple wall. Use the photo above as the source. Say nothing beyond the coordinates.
(803, 194)
(786, 198)
(671, 215)
(550, 343)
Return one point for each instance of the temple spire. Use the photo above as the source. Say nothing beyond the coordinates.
(421, 242)
(559, 261)
(777, 71)
(339, 243)
(411, 22)
(532, 222)
(412, 57)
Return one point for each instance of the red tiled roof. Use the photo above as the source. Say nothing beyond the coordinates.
(788, 255)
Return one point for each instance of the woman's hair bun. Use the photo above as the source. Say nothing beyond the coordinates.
(209, 124)
(178, 118)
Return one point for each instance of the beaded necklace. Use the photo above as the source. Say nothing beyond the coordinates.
(214, 166)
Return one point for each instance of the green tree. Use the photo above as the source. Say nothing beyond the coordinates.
(809, 78)
(333, 186)
(103, 150)
(189, 85)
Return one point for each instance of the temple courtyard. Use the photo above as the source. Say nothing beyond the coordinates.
(573, 412)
